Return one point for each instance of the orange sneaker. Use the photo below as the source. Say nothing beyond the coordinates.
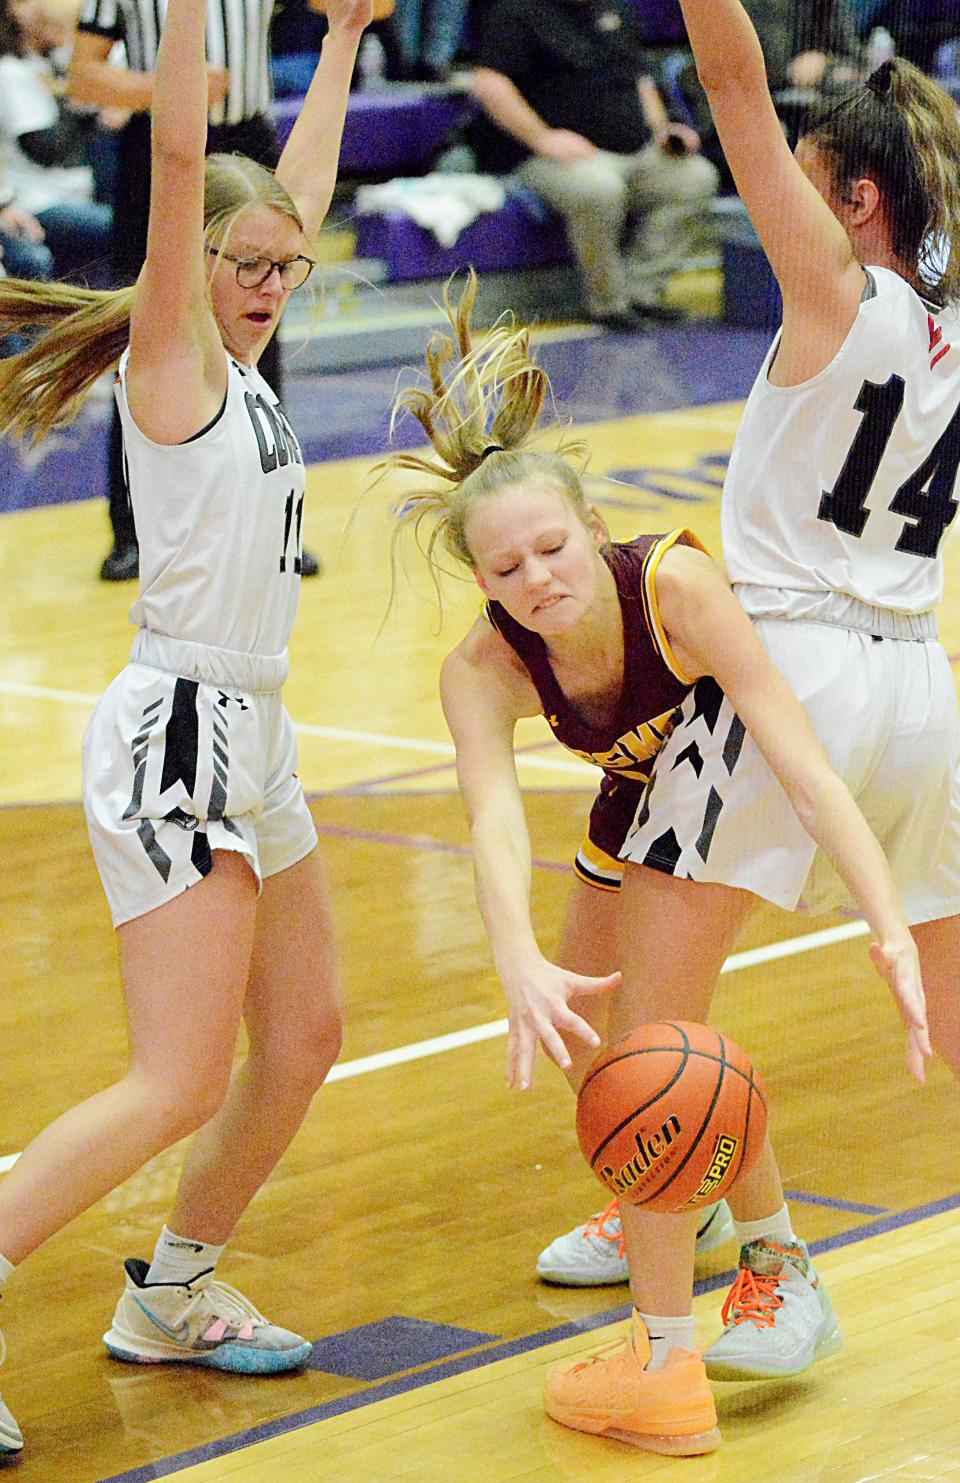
(611, 1394)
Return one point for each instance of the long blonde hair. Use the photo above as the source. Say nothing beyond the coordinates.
(481, 410)
(82, 332)
(900, 129)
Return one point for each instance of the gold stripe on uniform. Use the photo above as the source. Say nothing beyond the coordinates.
(651, 609)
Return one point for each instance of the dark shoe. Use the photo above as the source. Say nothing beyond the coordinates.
(658, 312)
(310, 565)
(627, 321)
(122, 565)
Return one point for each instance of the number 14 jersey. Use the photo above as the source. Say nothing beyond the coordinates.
(847, 482)
(219, 521)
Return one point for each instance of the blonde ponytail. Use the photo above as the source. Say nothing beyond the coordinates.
(83, 333)
(481, 410)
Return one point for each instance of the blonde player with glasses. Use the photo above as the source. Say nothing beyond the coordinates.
(201, 832)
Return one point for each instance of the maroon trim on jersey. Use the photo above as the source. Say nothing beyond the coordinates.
(650, 689)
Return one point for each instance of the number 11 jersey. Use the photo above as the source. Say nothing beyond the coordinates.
(219, 521)
(847, 482)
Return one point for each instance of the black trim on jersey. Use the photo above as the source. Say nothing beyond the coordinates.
(869, 288)
(211, 424)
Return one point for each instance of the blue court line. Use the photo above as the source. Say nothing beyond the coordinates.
(477, 1359)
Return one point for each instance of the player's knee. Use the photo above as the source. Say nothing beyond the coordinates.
(184, 1100)
(299, 1057)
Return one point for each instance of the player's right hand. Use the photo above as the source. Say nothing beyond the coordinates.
(540, 1010)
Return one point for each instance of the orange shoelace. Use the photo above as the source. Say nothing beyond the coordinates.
(597, 1226)
(753, 1298)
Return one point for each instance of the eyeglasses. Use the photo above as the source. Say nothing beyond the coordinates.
(252, 271)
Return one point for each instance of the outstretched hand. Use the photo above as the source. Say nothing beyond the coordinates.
(540, 1010)
(900, 966)
(347, 15)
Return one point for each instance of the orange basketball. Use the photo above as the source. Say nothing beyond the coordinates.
(671, 1116)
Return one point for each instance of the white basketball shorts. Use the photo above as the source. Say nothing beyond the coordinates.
(177, 765)
(885, 709)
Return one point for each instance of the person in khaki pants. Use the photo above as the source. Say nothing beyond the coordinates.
(579, 118)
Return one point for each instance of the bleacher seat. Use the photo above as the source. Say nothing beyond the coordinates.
(522, 234)
(394, 130)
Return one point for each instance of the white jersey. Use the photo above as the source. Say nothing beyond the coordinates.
(846, 483)
(219, 522)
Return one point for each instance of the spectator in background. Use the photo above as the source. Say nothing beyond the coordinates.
(46, 145)
(427, 35)
(23, 253)
(810, 48)
(238, 79)
(918, 27)
(579, 117)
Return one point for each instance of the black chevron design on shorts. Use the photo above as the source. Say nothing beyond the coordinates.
(182, 739)
(664, 853)
(710, 817)
(707, 698)
(692, 755)
(733, 743)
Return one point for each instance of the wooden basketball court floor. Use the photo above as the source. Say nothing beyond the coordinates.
(401, 1230)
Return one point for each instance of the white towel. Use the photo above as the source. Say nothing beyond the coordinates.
(442, 203)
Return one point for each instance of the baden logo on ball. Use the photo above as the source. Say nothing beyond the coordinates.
(672, 1116)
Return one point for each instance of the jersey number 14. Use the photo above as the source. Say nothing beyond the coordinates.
(925, 499)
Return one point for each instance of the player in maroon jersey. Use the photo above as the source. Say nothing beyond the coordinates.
(605, 640)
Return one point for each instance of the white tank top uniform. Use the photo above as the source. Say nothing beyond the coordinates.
(839, 497)
(191, 750)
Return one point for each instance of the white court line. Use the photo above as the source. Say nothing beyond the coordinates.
(326, 733)
(420, 1050)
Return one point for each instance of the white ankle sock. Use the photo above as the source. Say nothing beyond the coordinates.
(5, 1269)
(666, 1334)
(774, 1227)
(179, 1259)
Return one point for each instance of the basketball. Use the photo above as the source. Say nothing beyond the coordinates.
(671, 1116)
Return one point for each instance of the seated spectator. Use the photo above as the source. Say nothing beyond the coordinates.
(579, 118)
(810, 47)
(918, 27)
(46, 142)
(22, 250)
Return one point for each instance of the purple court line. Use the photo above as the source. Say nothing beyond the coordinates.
(489, 1355)
(851, 1205)
(418, 842)
(417, 772)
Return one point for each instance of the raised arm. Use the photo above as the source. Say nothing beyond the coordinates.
(711, 634)
(806, 245)
(178, 370)
(483, 697)
(308, 165)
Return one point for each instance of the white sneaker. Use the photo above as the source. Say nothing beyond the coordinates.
(593, 1255)
(11, 1437)
(210, 1324)
(778, 1318)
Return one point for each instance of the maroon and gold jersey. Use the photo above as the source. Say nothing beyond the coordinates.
(653, 683)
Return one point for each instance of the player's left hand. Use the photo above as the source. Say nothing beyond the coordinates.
(899, 964)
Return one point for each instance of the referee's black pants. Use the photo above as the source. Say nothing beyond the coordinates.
(255, 137)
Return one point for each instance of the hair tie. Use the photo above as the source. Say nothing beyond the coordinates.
(492, 448)
(881, 81)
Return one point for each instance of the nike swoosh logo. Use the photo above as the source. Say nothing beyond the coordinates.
(181, 1332)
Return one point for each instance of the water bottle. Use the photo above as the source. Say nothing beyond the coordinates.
(371, 63)
(881, 48)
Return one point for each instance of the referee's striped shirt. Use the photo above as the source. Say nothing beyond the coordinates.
(238, 38)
